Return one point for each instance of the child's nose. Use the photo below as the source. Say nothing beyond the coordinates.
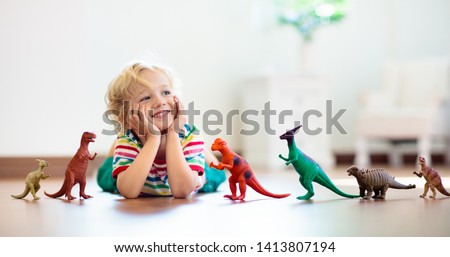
(158, 101)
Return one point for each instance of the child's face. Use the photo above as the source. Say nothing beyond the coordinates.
(157, 99)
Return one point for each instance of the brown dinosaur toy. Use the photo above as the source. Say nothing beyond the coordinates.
(76, 169)
(433, 179)
(240, 172)
(32, 181)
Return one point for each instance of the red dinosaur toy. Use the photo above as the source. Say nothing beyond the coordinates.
(76, 169)
(240, 170)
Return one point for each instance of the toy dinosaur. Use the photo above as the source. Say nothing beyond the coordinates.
(375, 180)
(433, 179)
(308, 169)
(240, 170)
(32, 181)
(76, 169)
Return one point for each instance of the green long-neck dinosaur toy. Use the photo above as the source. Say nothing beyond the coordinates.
(307, 168)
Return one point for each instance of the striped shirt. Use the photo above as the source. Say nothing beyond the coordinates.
(128, 147)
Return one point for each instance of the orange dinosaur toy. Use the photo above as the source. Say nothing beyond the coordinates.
(76, 169)
(240, 172)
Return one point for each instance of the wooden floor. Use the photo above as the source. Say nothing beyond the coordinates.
(403, 213)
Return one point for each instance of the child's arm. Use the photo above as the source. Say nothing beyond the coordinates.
(130, 181)
(182, 178)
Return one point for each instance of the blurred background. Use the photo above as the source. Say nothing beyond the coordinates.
(384, 62)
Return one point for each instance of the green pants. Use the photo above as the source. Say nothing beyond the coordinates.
(105, 180)
(104, 176)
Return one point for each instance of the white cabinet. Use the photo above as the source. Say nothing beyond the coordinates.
(292, 100)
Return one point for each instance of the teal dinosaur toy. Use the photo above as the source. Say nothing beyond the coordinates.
(307, 168)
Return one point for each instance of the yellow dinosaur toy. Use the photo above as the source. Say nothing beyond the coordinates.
(32, 181)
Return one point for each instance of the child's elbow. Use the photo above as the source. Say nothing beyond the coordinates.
(183, 188)
(130, 196)
(182, 193)
(127, 190)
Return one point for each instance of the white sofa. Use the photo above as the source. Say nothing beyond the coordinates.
(411, 104)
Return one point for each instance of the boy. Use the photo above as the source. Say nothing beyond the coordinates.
(156, 152)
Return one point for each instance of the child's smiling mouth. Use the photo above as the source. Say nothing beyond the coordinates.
(160, 114)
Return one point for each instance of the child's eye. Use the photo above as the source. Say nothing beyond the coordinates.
(145, 98)
(166, 92)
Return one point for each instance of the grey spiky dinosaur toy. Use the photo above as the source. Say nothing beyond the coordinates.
(32, 181)
(375, 180)
(309, 170)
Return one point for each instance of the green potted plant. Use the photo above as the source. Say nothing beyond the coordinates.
(308, 15)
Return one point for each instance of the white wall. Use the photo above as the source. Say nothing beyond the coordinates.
(45, 93)
(57, 57)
